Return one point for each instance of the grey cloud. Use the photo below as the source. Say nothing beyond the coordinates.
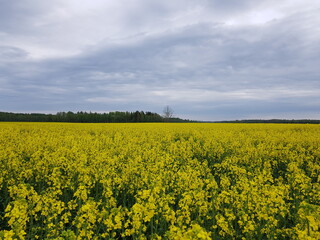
(9, 53)
(231, 6)
(204, 69)
(21, 16)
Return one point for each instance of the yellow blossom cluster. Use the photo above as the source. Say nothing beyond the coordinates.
(159, 181)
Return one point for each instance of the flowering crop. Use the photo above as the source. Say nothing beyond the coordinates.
(159, 181)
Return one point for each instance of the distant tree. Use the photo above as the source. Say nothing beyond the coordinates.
(136, 116)
(167, 113)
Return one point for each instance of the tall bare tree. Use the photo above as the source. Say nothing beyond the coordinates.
(167, 113)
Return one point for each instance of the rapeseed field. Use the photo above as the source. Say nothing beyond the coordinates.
(159, 181)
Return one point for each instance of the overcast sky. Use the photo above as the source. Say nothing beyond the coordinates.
(206, 59)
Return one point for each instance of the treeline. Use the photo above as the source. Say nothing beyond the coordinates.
(87, 117)
(304, 121)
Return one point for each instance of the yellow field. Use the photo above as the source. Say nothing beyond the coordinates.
(159, 181)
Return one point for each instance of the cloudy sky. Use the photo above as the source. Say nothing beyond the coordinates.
(206, 59)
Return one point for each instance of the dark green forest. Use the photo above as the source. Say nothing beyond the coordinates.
(88, 117)
(122, 117)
